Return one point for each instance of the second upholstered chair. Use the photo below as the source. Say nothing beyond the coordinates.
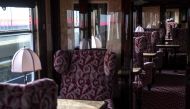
(86, 74)
(139, 44)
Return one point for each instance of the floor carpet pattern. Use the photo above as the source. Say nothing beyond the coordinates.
(168, 92)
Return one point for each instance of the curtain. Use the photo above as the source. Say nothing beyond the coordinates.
(114, 32)
(96, 38)
(150, 17)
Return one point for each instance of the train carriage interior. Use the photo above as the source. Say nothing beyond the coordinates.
(94, 54)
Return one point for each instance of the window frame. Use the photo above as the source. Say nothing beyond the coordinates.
(30, 75)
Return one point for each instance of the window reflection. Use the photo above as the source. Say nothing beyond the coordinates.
(150, 17)
(11, 21)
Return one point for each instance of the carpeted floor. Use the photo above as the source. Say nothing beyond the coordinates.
(168, 92)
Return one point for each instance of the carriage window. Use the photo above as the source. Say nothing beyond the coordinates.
(173, 13)
(98, 26)
(150, 17)
(15, 33)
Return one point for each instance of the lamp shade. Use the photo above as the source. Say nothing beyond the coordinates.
(139, 29)
(25, 60)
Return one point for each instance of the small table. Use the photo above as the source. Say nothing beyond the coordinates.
(149, 55)
(167, 39)
(136, 70)
(167, 46)
(79, 104)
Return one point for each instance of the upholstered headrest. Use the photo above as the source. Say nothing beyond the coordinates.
(140, 44)
(109, 62)
(62, 61)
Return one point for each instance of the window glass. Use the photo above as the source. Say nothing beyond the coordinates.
(172, 13)
(150, 17)
(15, 33)
(11, 20)
(76, 28)
(76, 18)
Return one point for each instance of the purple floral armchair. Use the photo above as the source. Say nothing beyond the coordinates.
(86, 74)
(139, 45)
(40, 94)
(152, 38)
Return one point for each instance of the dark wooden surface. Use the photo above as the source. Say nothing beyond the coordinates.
(42, 37)
(55, 24)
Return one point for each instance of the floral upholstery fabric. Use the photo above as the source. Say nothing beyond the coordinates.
(169, 27)
(149, 46)
(138, 61)
(109, 63)
(140, 44)
(41, 94)
(152, 38)
(148, 41)
(63, 60)
(90, 75)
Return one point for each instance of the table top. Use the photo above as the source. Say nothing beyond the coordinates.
(79, 104)
(149, 54)
(136, 70)
(168, 39)
(168, 45)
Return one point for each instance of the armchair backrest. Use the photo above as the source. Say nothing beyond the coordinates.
(139, 46)
(147, 34)
(86, 74)
(40, 94)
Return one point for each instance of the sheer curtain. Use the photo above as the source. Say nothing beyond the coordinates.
(114, 31)
(96, 38)
(109, 24)
(150, 17)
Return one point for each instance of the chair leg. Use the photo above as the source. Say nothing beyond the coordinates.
(149, 87)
